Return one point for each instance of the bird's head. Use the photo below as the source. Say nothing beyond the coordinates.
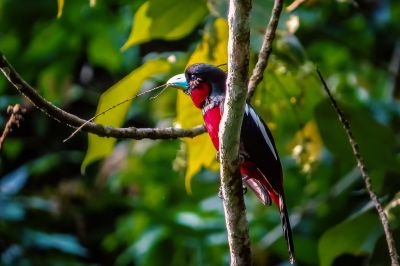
(200, 81)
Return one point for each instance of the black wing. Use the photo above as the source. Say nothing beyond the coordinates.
(259, 146)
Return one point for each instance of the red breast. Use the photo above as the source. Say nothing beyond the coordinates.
(212, 119)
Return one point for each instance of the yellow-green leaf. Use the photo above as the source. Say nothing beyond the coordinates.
(165, 19)
(126, 88)
(60, 8)
(201, 152)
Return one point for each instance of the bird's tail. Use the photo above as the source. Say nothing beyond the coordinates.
(287, 230)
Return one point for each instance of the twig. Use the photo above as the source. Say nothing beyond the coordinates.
(71, 120)
(229, 134)
(15, 119)
(266, 49)
(108, 109)
(295, 4)
(364, 173)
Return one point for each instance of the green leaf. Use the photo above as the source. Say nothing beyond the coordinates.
(141, 249)
(102, 51)
(165, 19)
(53, 81)
(126, 88)
(356, 236)
(375, 140)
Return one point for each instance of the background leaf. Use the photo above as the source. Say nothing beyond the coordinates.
(126, 88)
(165, 19)
(60, 8)
(13, 182)
(370, 135)
(63, 242)
(354, 236)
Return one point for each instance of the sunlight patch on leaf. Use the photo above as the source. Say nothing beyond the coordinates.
(200, 151)
(60, 8)
(166, 20)
(99, 147)
(293, 23)
(306, 146)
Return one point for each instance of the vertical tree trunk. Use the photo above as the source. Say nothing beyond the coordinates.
(231, 181)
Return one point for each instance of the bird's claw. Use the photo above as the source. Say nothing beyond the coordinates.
(217, 156)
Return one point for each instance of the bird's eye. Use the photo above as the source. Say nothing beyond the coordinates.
(193, 77)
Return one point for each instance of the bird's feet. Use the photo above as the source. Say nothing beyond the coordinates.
(217, 156)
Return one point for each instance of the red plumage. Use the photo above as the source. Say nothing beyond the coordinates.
(212, 119)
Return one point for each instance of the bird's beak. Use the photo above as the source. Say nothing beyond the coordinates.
(179, 81)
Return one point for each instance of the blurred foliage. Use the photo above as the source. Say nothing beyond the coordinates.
(126, 88)
(131, 207)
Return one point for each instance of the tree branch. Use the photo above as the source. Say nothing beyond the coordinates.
(15, 112)
(71, 120)
(266, 50)
(364, 173)
(229, 134)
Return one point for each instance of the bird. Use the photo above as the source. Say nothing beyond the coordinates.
(260, 166)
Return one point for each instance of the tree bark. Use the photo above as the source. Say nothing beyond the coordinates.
(229, 134)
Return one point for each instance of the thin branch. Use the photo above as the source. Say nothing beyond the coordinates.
(295, 4)
(364, 173)
(266, 50)
(71, 120)
(229, 134)
(110, 108)
(15, 119)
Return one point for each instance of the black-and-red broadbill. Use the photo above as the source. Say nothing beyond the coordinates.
(260, 165)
